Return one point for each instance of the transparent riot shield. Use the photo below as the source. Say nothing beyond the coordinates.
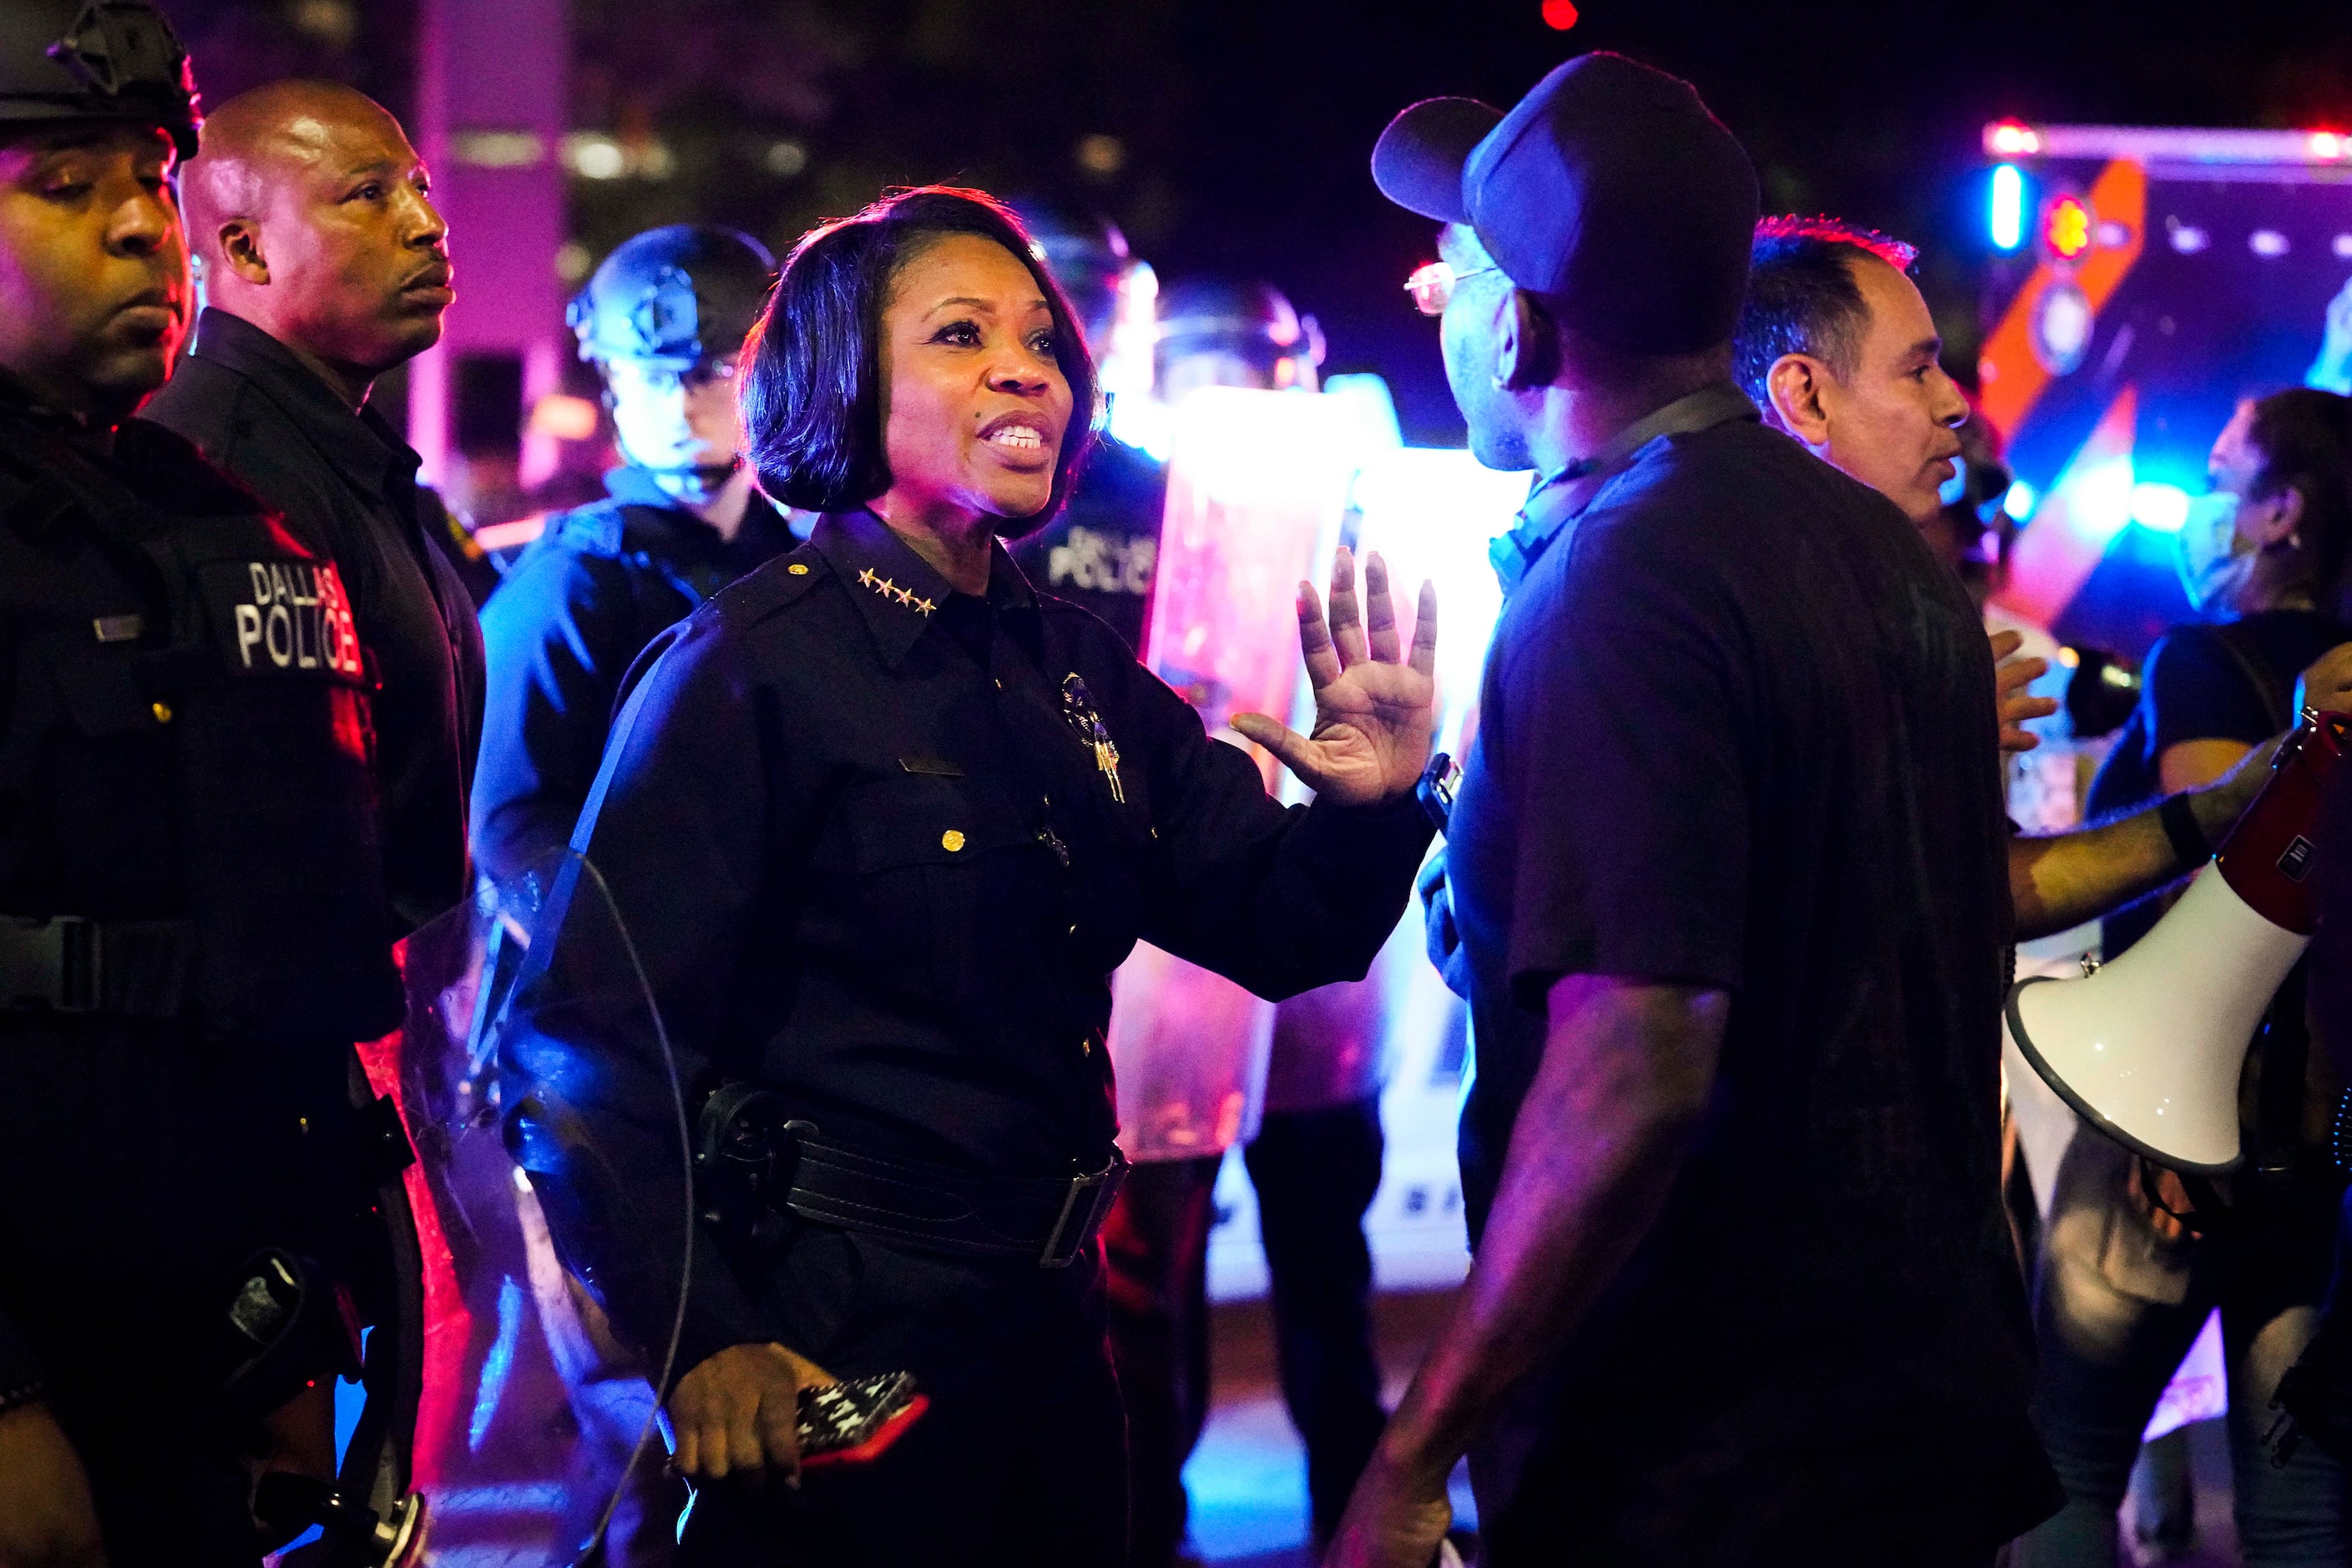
(552, 1197)
(1257, 492)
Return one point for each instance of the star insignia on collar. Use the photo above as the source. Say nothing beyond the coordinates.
(889, 590)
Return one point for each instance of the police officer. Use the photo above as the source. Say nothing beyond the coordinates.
(193, 926)
(1101, 552)
(663, 319)
(881, 820)
(1316, 1161)
(326, 266)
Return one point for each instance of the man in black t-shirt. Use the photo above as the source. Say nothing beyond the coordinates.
(1728, 864)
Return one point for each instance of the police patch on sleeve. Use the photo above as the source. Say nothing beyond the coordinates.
(289, 618)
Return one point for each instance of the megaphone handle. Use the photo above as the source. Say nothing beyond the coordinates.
(2286, 1048)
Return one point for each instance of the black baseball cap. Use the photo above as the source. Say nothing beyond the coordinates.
(1608, 190)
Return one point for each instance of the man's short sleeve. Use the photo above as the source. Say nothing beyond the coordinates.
(1624, 705)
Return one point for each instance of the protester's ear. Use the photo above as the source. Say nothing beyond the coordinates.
(1528, 354)
(1793, 393)
(2274, 518)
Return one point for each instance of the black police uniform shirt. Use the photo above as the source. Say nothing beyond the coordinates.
(150, 773)
(183, 737)
(1737, 730)
(868, 860)
(349, 482)
(1102, 551)
(576, 610)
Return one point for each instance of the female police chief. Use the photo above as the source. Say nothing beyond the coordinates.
(880, 821)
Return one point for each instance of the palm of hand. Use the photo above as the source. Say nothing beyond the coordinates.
(1372, 729)
(1375, 705)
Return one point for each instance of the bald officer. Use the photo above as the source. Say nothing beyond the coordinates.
(326, 266)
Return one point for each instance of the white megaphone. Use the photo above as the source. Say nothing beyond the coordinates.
(2150, 1048)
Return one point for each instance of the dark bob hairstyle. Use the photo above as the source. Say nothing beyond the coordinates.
(811, 393)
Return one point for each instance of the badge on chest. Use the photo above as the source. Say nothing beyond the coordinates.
(1079, 707)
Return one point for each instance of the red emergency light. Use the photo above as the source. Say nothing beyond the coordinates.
(1560, 15)
(2067, 228)
(2011, 139)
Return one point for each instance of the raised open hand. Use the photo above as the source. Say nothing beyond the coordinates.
(1375, 706)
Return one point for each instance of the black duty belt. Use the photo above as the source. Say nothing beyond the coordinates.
(64, 964)
(748, 1152)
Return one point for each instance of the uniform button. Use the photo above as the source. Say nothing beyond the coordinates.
(1087, 1045)
(951, 841)
(163, 711)
(797, 569)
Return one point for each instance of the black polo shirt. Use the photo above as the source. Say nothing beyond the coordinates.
(1737, 730)
(867, 859)
(570, 617)
(347, 483)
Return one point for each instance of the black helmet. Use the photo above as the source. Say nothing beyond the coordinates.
(96, 60)
(676, 296)
(1085, 252)
(1256, 320)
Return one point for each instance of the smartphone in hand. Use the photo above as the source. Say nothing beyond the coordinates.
(852, 1422)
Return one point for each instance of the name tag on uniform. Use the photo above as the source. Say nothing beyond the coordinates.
(283, 616)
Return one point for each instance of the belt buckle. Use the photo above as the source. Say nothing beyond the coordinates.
(1086, 1203)
(52, 963)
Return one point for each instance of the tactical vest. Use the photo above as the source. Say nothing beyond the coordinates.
(206, 616)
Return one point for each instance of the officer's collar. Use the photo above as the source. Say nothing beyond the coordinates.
(1559, 499)
(362, 447)
(898, 592)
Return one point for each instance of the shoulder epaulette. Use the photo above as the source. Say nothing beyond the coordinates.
(775, 584)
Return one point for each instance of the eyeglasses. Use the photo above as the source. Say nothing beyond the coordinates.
(1432, 286)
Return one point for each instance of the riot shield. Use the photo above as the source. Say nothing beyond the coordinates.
(1258, 489)
(551, 1196)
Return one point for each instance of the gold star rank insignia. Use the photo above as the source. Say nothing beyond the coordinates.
(889, 590)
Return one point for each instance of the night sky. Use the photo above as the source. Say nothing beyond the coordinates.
(1242, 126)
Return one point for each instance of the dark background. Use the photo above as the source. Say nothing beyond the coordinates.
(1240, 128)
